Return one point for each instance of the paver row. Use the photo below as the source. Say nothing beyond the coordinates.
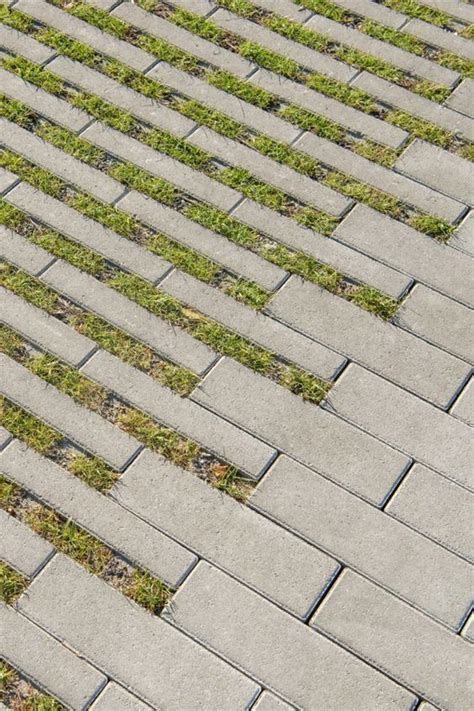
(439, 440)
(98, 514)
(400, 246)
(277, 226)
(441, 170)
(311, 435)
(162, 666)
(394, 353)
(416, 651)
(352, 119)
(398, 96)
(368, 540)
(369, 172)
(47, 661)
(81, 425)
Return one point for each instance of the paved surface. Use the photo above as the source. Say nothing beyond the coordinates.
(237, 339)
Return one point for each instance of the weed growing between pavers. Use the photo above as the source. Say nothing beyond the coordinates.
(12, 584)
(18, 694)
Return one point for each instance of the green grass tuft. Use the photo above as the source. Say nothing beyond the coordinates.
(105, 112)
(211, 118)
(147, 591)
(363, 193)
(432, 226)
(71, 144)
(283, 153)
(373, 301)
(342, 92)
(140, 180)
(169, 444)
(167, 53)
(220, 222)
(12, 584)
(93, 472)
(33, 73)
(316, 220)
(242, 180)
(29, 429)
(108, 216)
(176, 148)
(304, 266)
(15, 111)
(75, 254)
(198, 26)
(308, 121)
(68, 380)
(420, 128)
(69, 539)
(249, 293)
(29, 288)
(240, 88)
(306, 385)
(270, 60)
(101, 19)
(183, 258)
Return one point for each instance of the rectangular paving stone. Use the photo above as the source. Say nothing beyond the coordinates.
(396, 416)
(438, 37)
(374, 343)
(461, 98)
(113, 92)
(418, 652)
(350, 118)
(183, 415)
(281, 176)
(218, 248)
(170, 341)
(98, 514)
(406, 100)
(440, 169)
(382, 178)
(439, 320)
(463, 408)
(463, 237)
(49, 106)
(47, 662)
(79, 424)
(187, 41)
(437, 507)
(74, 171)
(302, 430)
(22, 253)
(141, 651)
(414, 253)
(409, 62)
(269, 702)
(87, 232)
(346, 260)
(46, 331)
(256, 326)
(366, 539)
(231, 536)
(102, 42)
(159, 164)
(305, 56)
(248, 114)
(257, 636)
(114, 697)
(21, 547)
(19, 43)
(457, 8)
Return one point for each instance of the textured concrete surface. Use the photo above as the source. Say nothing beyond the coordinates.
(236, 352)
